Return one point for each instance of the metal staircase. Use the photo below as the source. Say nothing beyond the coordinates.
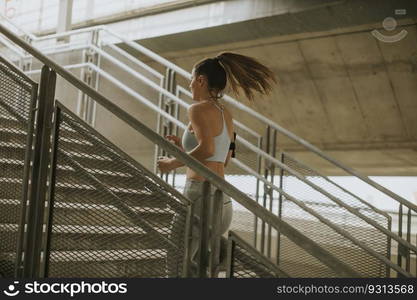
(109, 217)
(348, 227)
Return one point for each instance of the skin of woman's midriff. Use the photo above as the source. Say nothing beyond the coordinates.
(216, 167)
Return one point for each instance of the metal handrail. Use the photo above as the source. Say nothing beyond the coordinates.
(30, 35)
(134, 60)
(255, 149)
(252, 251)
(297, 237)
(235, 103)
(340, 187)
(259, 151)
(266, 156)
(243, 141)
(68, 67)
(11, 47)
(326, 221)
(267, 121)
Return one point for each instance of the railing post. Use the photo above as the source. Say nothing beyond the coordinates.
(388, 269)
(215, 231)
(266, 188)
(281, 186)
(204, 231)
(259, 169)
(39, 174)
(188, 266)
(165, 127)
(269, 170)
(230, 256)
(86, 106)
(400, 234)
(273, 150)
(26, 178)
(51, 192)
(408, 254)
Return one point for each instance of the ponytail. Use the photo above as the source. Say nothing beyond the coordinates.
(246, 73)
(240, 71)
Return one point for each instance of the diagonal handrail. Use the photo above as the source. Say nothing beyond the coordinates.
(267, 121)
(368, 220)
(252, 251)
(270, 158)
(399, 239)
(266, 156)
(294, 235)
(233, 102)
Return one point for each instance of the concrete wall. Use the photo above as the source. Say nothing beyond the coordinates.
(347, 93)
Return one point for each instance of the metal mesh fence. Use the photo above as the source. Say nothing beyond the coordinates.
(298, 262)
(17, 99)
(111, 217)
(323, 234)
(248, 263)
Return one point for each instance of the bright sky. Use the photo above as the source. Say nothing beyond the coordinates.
(404, 186)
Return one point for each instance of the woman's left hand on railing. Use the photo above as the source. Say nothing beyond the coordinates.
(167, 164)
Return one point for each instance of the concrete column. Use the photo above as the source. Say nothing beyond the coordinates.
(64, 18)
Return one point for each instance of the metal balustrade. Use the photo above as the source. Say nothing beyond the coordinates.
(49, 185)
(18, 95)
(244, 261)
(124, 213)
(255, 161)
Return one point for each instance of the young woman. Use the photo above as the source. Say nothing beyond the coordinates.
(209, 135)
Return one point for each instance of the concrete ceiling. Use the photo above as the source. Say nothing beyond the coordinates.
(300, 17)
(339, 87)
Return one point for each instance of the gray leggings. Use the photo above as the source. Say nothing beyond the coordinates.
(193, 191)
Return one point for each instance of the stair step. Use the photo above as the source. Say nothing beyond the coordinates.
(11, 189)
(18, 136)
(13, 168)
(101, 166)
(147, 268)
(7, 121)
(103, 264)
(95, 215)
(12, 151)
(72, 238)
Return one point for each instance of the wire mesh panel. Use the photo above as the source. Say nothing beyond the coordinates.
(292, 265)
(17, 100)
(246, 262)
(110, 216)
(323, 234)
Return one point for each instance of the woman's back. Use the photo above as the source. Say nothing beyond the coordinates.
(217, 115)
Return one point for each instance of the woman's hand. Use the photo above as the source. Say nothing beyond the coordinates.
(167, 164)
(175, 140)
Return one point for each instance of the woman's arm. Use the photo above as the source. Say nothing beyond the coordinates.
(205, 139)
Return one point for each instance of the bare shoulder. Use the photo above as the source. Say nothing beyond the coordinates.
(197, 111)
(196, 107)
